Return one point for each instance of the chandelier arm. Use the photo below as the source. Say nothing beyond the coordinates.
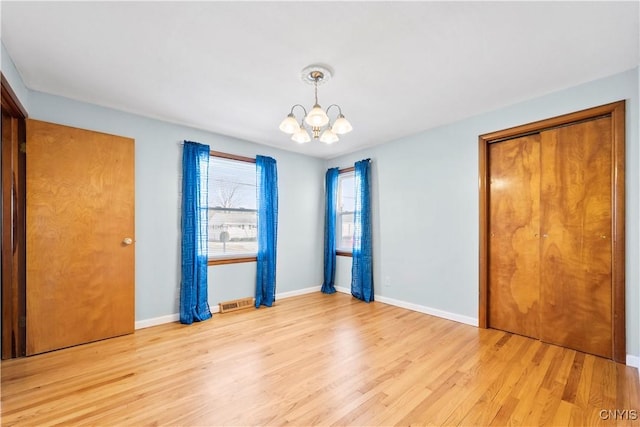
(334, 105)
(301, 106)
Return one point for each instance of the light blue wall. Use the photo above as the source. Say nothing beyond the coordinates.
(425, 198)
(158, 175)
(428, 181)
(158, 156)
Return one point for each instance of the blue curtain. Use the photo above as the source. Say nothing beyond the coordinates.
(194, 305)
(361, 267)
(331, 188)
(267, 176)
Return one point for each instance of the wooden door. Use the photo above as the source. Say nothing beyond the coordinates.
(514, 249)
(579, 247)
(575, 287)
(80, 210)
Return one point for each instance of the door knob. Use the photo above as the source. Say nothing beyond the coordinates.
(127, 240)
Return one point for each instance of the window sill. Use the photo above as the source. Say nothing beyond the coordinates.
(344, 253)
(237, 260)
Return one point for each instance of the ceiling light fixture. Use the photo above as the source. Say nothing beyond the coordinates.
(317, 118)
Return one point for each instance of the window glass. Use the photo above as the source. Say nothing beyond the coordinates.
(344, 211)
(232, 208)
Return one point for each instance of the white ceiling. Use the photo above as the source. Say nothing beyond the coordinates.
(234, 67)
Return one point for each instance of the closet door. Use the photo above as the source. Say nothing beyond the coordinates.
(80, 212)
(576, 227)
(514, 248)
(580, 273)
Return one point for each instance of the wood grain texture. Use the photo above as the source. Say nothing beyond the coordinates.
(232, 156)
(483, 232)
(13, 225)
(10, 102)
(9, 284)
(616, 112)
(618, 231)
(80, 207)
(553, 122)
(576, 285)
(317, 360)
(222, 261)
(514, 240)
(10, 268)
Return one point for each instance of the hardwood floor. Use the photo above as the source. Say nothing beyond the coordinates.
(318, 360)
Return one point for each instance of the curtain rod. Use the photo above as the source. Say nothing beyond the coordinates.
(351, 168)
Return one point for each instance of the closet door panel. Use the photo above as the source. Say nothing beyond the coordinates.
(80, 205)
(514, 248)
(575, 286)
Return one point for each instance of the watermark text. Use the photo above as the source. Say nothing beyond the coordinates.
(618, 414)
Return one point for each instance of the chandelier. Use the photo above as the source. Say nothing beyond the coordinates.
(317, 119)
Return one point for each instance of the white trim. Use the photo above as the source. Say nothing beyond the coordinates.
(343, 290)
(428, 310)
(297, 292)
(147, 323)
(141, 324)
(633, 361)
(420, 308)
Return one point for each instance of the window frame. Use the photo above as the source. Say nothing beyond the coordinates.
(231, 259)
(343, 252)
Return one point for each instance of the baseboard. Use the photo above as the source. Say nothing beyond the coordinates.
(147, 323)
(633, 361)
(343, 290)
(419, 308)
(297, 292)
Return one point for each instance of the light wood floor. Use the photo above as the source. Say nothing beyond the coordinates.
(317, 360)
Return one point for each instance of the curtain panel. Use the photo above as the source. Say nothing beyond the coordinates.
(331, 188)
(267, 176)
(194, 304)
(362, 262)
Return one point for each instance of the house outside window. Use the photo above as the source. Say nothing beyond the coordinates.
(345, 208)
(232, 208)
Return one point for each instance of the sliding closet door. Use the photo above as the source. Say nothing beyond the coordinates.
(568, 276)
(576, 227)
(514, 249)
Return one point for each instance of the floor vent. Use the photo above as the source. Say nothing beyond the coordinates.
(237, 304)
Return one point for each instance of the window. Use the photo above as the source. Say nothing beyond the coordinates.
(232, 208)
(345, 208)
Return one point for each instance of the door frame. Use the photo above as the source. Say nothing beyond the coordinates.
(616, 111)
(13, 306)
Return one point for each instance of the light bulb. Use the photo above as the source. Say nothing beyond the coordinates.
(289, 124)
(301, 136)
(328, 137)
(341, 125)
(317, 117)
